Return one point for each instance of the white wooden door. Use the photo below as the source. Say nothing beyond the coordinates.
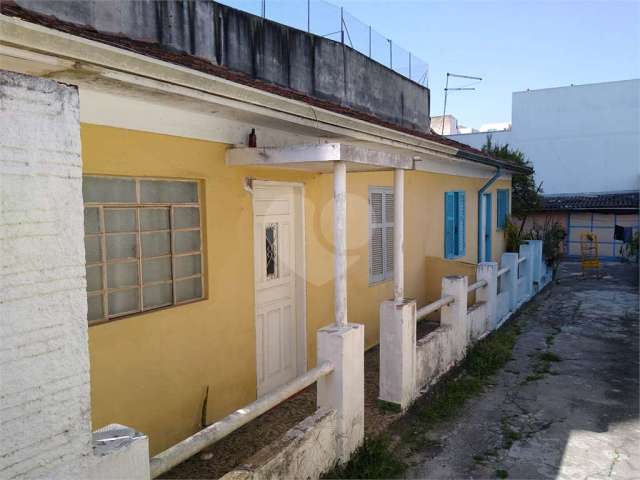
(275, 285)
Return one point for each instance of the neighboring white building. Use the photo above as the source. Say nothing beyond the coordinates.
(583, 138)
(452, 127)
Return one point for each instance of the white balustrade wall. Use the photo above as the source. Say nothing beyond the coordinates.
(500, 291)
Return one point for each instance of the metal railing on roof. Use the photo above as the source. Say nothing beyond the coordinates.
(330, 21)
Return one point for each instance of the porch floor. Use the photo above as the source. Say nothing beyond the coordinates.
(241, 445)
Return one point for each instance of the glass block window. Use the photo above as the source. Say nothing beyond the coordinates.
(143, 245)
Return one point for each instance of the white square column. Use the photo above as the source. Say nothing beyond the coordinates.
(537, 263)
(342, 344)
(526, 268)
(454, 315)
(398, 352)
(510, 279)
(488, 271)
(343, 389)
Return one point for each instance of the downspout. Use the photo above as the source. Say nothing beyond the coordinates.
(481, 210)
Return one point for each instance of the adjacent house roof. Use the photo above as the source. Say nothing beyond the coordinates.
(621, 201)
(465, 152)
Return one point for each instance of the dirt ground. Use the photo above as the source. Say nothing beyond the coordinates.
(566, 405)
(237, 448)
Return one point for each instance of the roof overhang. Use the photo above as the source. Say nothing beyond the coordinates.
(39, 50)
(320, 157)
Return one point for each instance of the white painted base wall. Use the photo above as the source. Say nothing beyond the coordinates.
(523, 275)
(306, 451)
(119, 452)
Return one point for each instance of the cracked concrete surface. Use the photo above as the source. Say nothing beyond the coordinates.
(566, 405)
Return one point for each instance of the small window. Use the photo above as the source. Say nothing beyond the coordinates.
(143, 245)
(454, 224)
(381, 211)
(503, 208)
(271, 250)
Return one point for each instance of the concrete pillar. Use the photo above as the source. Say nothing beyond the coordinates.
(397, 352)
(398, 235)
(340, 241)
(526, 268)
(510, 279)
(488, 271)
(536, 248)
(343, 389)
(454, 315)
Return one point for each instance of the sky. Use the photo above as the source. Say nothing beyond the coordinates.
(512, 45)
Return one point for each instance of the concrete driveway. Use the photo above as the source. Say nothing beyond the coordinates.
(566, 406)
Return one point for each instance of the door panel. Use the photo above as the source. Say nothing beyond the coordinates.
(275, 286)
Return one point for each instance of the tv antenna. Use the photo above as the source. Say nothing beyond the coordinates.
(456, 89)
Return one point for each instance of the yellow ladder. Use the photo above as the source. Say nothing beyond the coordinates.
(589, 251)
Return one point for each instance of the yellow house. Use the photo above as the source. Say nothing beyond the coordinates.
(151, 369)
(211, 263)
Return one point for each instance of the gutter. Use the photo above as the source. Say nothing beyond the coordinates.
(493, 162)
(481, 210)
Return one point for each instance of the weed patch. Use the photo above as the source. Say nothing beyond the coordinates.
(389, 406)
(377, 458)
(510, 436)
(374, 459)
(482, 362)
(549, 357)
(501, 473)
(542, 366)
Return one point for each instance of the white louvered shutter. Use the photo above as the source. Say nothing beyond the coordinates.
(376, 236)
(380, 234)
(388, 230)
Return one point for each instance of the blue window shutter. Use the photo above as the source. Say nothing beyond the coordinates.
(461, 225)
(449, 224)
(503, 207)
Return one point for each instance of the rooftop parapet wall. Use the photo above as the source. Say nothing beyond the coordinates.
(258, 48)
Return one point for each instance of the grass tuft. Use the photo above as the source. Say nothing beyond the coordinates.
(390, 407)
(483, 361)
(377, 459)
(549, 357)
(374, 459)
(501, 473)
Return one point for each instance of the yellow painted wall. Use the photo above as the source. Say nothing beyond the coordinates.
(150, 370)
(424, 231)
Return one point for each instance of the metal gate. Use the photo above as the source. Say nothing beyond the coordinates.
(603, 225)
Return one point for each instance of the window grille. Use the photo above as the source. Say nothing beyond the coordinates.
(143, 245)
(271, 250)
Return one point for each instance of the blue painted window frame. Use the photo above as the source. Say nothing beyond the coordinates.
(502, 207)
(454, 224)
